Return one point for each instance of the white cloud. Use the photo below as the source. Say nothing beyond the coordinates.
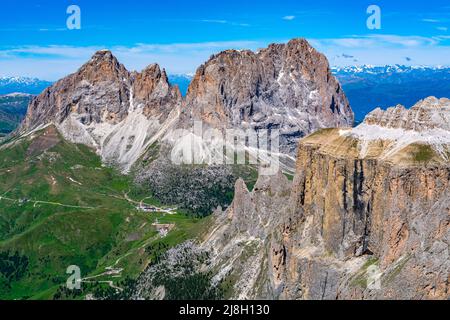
(54, 51)
(52, 29)
(215, 21)
(386, 49)
(445, 29)
(288, 18)
(380, 40)
(239, 24)
(431, 20)
(54, 62)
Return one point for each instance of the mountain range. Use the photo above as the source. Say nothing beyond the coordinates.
(22, 84)
(366, 86)
(95, 177)
(121, 113)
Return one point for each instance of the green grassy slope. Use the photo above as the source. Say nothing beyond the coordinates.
(59, 206)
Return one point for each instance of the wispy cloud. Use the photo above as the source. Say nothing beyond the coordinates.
(65, 51)
(54, 51)
(231, 23)
(379, 40)
(55, 61)
(215, 21)
(52, 29)
(288, 18)
(431, 20)
(189, 47)
(386, 49)
(445, 29)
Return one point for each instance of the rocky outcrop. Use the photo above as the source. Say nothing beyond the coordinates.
(354, 225)
(425, 115)
(288, 87)
(244, 249)
(403, 136)
(153, 91)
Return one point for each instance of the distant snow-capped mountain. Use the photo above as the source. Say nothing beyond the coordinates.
(358, 70)
(22, 84)
(368, 87)
(182, 80)
(370, 69)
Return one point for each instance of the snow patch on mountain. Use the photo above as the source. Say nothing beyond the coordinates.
(427, 122)
(371, 69)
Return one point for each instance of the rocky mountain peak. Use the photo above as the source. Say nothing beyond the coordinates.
(102, 66)
(288, 87)
(148, 79)
(103, 56)
(152, 90)
(105, 106)
(285, 87)
(154, 71)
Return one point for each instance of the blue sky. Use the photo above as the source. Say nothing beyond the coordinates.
(180, 35)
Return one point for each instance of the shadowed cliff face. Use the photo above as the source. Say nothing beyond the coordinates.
(351, 226)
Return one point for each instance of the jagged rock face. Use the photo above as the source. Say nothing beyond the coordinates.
(105, 106)
(242, 236)
(348, 220)
(425, 115)
(285, 86)
(100, 90)
(151, 89)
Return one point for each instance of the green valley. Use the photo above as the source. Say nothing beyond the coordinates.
(59, 206)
